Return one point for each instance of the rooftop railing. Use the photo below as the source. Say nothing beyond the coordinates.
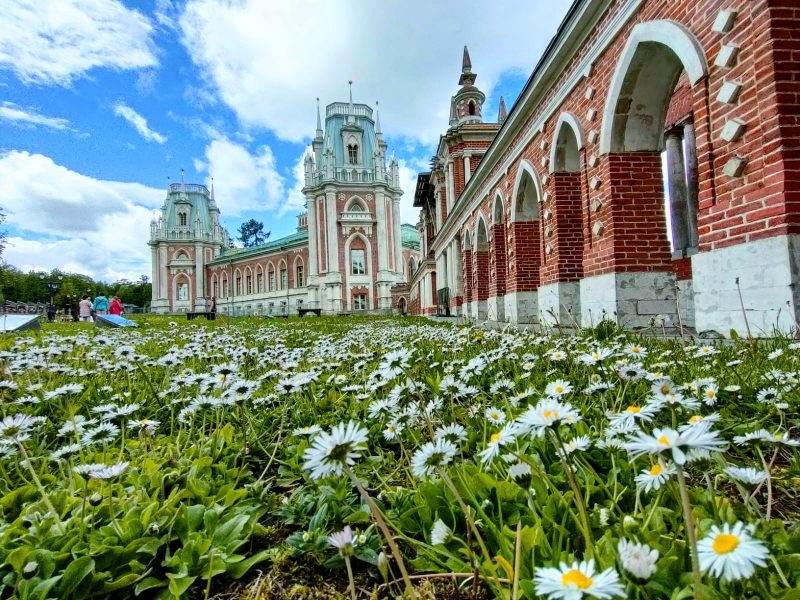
(189, 187)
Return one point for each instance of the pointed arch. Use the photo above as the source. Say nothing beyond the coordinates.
(527, 194)
(498, 208)
(299, 270)
(356, 204)
(467, 239)
(566, 145)
(481, 233)
(649, 67)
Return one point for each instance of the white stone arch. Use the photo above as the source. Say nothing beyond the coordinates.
(270, 269)
(224, 285)
(358, 280)
(649, 67)
(524, 169)
(237, 276)
(259, 270)
(282, 265)
(356, 204)
(177, 281)
(565, 156)
(214, 292)
(248, 272)
(180, 254)
(498, 208)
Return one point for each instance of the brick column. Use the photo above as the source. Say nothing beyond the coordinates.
(522, 275)
(482, 282)
(497, 279)
(466, 271)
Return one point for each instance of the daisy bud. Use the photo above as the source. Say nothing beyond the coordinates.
(30, 568)
(383, 566)
(629, 524)
(153, 529)
(95, 499)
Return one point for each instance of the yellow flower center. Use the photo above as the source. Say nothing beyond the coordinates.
(665, 389)
(635, 349)
(559, 389)
(495, 415)
(695, 418)
(596, 356)
(778, 436)
(724, 543)
(663, 440)
(633, 409)
(710, 393)
(576, 578)
(656, 470)
(495, 437)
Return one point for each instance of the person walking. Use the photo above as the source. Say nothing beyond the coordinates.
(85, 310)
(100, 304)
(115, 308)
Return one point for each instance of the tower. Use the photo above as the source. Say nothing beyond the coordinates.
(183, 239)
(353, 202)
(467, 104)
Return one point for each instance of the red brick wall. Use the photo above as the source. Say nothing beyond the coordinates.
(564, 263)
(468, 276)
(497, 280)
(525, 260)
(481, 258)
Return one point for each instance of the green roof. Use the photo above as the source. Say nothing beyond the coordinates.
(295, 239)
(410, 236)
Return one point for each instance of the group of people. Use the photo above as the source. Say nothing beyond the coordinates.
(101, 305)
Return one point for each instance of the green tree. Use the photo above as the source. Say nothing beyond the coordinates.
(251, 233)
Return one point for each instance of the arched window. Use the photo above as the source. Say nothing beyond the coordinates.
(471, 108)
(352, 154)
(182, 219)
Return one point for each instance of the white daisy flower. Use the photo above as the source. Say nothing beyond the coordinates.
(653, 478)
(521, 473)
(108, 471)
(308, 430)
(637, 559)
(392, 430)
(331, 452)
(579, 443)
(688, 445)
(431, 456)
(548, 412)
(497, 440)
(495, 416)
(573, 582)
(730, 553)
(440, 533)
(636, 350)
(343, 541)
(747, 475)
(454, 433)
(558, 388)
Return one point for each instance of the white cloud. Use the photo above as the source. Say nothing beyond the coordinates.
(56, 41)
(83, 225)
(408, 183)
(17, 114)
(407, 55)
(139, 123)
(295, 199)
(242, 181)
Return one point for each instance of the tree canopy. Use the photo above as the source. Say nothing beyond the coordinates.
(251, 233)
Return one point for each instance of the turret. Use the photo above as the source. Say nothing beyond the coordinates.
(468, 101)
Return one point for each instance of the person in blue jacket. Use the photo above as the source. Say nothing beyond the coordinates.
(100, 304)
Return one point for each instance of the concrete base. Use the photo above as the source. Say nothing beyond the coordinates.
(497, 308)
(768, 278)
(482, 310)
(521, 307)
(560, 303)
(686, 302)
(631, 299)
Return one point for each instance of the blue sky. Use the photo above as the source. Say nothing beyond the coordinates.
(102, 100)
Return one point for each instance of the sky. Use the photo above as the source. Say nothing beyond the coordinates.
(103, 101)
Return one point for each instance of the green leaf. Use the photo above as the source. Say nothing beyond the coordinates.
(179, 585)
(230, 534)
(78, 570)
(148, 583)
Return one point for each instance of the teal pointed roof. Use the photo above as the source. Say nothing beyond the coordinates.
(196, 198)
(341, 117)
(409, 236)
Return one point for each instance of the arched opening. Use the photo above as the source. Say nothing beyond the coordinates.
(299, 272)
(283, 275)
(248, 281)
(466, 269)
(271, 281)
(566, 146)
(481, 268)
(352, 154)
(471, 108)
(498, 261)
(648, 140)
(259, 279)
(402, 305)
(224, 285)
(524, 251)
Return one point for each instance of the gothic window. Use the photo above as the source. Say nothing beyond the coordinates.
(352, 154)
(238, 285)
(182, 219)
(360, 302)
(298, 276)
(183, 291)
(284, 279)
(358, 264)
(249, 281)
(260, 282)
(471, 108)
(272, 281)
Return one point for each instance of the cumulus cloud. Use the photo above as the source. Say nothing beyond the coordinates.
(55, 42)
(83, 225)
(28, 116)
(139, 123)
(407, 55)
(243, 181)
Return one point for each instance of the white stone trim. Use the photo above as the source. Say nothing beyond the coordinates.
(672, 35)
(569, 119)
(524, 167)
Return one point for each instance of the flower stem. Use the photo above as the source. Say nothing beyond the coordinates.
(687, 515)
(40, 487)
(576, 490)
(350, 577)
(376, 514)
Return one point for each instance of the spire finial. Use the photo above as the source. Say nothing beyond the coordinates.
(501, 114)
(181, 176)
(377, 119)
(319, 121)
(212, 188)
(350, 83)
(467, 76)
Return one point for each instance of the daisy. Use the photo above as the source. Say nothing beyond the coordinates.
(632, 413)
(730, 552)
(16, 429)
(521, 473)
(632, 372)
(579, 443)
(108, 471)
(495, 416)
(331, 451)
(636, 350)
(547, 413)
(497, 440)
(710, 394)
(747, 475)
(572, 582)
(558, 355)
(558, 388)
(392, 430)
(440, 533)
(454, 433)
(431, 456)
(637, 559)
(653, 478)
(684, 446)
(343, 541)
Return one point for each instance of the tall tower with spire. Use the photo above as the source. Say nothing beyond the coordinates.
(353, 201)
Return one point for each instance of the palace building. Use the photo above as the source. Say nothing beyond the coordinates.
(649, 173)
(349, 252)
